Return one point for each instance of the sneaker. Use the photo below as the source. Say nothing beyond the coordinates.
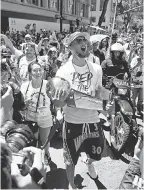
(91, 169)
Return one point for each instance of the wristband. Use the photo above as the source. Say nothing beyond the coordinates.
(37, 176)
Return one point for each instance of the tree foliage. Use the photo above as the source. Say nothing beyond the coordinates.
(131, 18)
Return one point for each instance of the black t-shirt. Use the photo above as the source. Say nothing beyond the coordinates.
(114, 67)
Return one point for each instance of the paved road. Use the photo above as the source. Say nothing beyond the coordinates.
(110, 171)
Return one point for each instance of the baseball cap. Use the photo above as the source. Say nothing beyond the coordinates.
(52, 49)
(46, 38)
(70, 38)
(28, 36)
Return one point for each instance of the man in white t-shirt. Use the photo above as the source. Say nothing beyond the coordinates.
(30, 55)
(28, 39)
(82, 127)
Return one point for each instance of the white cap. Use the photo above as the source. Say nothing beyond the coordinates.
(117, 47)
(53, 49)
(28, 36)
(70, 38)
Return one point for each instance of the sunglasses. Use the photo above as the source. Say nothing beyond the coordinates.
(51, 52)
(80, 40)
(27, 39)
(30, 45)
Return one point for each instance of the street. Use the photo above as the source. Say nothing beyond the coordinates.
(110, 171)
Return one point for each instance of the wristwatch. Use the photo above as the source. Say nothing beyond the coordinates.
(37, 176)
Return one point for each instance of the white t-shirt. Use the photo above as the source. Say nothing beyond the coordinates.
(23, 45)
(43, 117)
(77, 77)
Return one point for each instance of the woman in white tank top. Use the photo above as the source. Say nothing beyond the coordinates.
(38, 103)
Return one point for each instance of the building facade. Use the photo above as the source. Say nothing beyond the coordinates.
(43, 14)
(96, 10)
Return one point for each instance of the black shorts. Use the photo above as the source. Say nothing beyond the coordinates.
(77, 138)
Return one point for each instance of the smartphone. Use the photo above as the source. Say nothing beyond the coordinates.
(18, 158)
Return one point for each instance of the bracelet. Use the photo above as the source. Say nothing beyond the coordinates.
(36, 176)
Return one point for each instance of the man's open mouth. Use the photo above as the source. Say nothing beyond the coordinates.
(83, 49)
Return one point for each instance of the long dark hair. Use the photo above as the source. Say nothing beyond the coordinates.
(101, 44)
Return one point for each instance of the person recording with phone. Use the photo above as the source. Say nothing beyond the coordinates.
(11, 174)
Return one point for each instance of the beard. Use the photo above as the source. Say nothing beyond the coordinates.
(82, 55)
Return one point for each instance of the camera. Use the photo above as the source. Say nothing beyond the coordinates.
(24, 160)
(18, 158)
(17, 136)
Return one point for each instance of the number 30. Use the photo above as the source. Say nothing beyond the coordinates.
(96, 150)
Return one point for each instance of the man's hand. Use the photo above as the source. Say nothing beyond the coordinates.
(22, 182)
(102, 93)
(15, 172)
(7, 99)
(138, 183)
(38, 158)
(59, 95)
(8, 43)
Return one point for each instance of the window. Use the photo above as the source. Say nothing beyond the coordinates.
(49, 4)
(76, 5)
(41, 3)
(35, 2)
(71, 6)
(74, 9)
(93, 5)
(82, 11)
(28, 1)
(86, 11)
(58, 5)
(101, 4)
(112, 6)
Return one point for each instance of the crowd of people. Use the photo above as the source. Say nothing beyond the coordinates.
(29, 62)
